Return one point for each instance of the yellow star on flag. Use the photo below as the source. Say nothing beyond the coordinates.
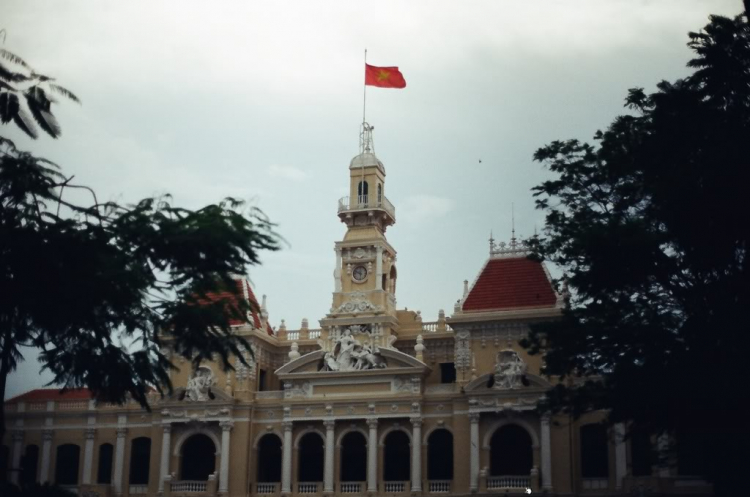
(383, 75)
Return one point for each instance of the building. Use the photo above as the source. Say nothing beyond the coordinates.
(376, 401)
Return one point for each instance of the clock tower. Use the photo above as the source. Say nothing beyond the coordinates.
(364, 297)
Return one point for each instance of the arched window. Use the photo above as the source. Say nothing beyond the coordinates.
(392, 277)
(66, 464)
(4, 461)
(511, 452)
(353, 457)
(29, 465)
(440, 455)
(397, 460)
(380, 193)
(594, 451)
(140, 460)
(362, 192)
(269, 459)
(198, 458)
(104, 473)
(641, 454)
(311, 457)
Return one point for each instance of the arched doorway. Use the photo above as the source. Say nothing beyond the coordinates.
(354, 457)
(311, 452)
(440, 455)
(104, 473)
(198, 458)
(511, 452)
(140, 460)
(29, 465)
(397, 465)
(269, 459)
(594, 451)
(66, 464)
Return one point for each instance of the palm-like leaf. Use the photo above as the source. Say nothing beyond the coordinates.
(4, 54)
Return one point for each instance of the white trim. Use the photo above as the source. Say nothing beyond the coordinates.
(351, 429)
(309, 429)
(194, 430)
(394, 427)
(515, 421)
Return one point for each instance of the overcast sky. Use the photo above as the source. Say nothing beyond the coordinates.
(263, 101)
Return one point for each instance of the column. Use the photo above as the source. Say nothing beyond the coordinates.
(372, 456)
(416, 455)
(46, 448)
(286, 463)
(337, 271)
(620, 455)
(663, 448)
(16, 461)
(379, 267)
(328, 473)
(119, 459)
(226, 428)
(546, 455)
(474, 452)
(166, 447)
(88, 455)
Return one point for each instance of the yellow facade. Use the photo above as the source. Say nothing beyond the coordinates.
(375, 401)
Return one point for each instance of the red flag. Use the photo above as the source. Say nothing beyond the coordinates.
(384, 77)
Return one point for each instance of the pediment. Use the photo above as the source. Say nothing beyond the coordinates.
(313, 364)
(484, 384)
(214, 396)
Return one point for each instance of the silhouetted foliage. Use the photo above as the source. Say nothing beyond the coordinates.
(650, 229)
(34, 490)
(99, 286)
(26, 97)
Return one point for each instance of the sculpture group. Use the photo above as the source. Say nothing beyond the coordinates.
(349, 354)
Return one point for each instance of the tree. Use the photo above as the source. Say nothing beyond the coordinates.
(25, 92)
(650, 230)
(99, 287)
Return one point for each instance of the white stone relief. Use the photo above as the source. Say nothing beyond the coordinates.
(293, 390)
(199, 385)
(463, 350)
(349, 354)
(358, 303)
(509, 370)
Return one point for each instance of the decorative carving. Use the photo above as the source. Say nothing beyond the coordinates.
(372, 422)
(199, 385)
(90, 433)
(287, 425)
(416, 422)
(463, 350)
(226, 425)
(292, 390)
(329, 424)
(401, 385)
(358, 303)
(509, 370)
(121, 432)
(359, 253)
(167, 428)
(350, 355)
(350, 410)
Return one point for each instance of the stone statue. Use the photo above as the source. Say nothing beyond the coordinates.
(199, 385)
(350, 355)
(509, 370)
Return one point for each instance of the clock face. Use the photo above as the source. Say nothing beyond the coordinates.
(359, 273)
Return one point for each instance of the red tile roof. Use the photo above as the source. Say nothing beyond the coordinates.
(44, 394)
(243, 286)
(512, 283)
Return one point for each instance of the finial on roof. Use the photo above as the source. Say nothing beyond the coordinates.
(366, 144)
(492, 243)
(513, 225)
(466, 288)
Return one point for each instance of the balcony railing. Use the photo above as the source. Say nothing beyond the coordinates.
(439, 486)
(266, 488)
(434, 326)
(364, 202)
(189, 486)
(308, 487)
(595, 483)
(508, 481)
(137, 489)
(351, 487)
(395, 487)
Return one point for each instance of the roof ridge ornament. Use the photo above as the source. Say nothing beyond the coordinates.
(366, 143)
(515, 248)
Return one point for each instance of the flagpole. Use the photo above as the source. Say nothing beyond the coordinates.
(364, 96)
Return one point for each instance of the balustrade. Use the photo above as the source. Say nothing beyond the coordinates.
(595, 483)
(73, 489)
(73, 406)
(395, 487)
(313, 334)
(439, 486)
(189, 486)
(292, 335)
(349, 487)
(367, 202)
(138, 489)
(308, 488)
(266, 488)
(508, 481)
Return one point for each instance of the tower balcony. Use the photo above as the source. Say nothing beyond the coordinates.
(363, 203)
